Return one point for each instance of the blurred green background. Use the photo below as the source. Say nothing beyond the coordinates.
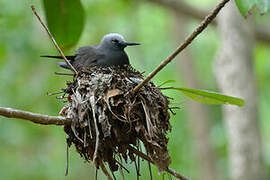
(31, 151)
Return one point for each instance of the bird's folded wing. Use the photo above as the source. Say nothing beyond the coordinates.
(87, 56)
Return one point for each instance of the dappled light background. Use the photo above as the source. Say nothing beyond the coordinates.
(31, 151)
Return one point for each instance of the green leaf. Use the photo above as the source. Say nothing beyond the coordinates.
(166, 82)
(209, 97)
(65, 19)
(245, 6)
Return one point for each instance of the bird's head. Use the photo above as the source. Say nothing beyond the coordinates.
(115, 41)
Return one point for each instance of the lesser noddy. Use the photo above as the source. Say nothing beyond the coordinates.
(110, 52)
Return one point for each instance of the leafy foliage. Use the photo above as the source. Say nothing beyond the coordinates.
(245, 6)
(65, 20)
(209, 97)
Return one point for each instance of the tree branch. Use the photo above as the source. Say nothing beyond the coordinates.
(34, 117)
(262, 33)
(53, 40)
(59, 121)
(182, 8)
(147, 158)
(207, 20)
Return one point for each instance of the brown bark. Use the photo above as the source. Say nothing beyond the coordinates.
(235, 76)
(198, 115)
(33, 117)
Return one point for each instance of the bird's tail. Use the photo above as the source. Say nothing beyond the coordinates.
(62, 64)
(71, 58)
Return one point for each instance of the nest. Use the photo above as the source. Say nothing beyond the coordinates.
(108, 117)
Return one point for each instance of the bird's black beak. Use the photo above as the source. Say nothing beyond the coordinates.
(131, 44)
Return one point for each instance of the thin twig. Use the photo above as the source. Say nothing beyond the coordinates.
(103, 168)
(55, 93)
(65, 74)
(95, 158)
(34, 117)
(137, 172)
(122, 166)
(121, 171)
(139, 160)
(174, 107)
(96, 174)
(53, 40)
(67, 159)
(207, 20)
(61, 97)
(147, 158)
(150, 169)
(114, 178)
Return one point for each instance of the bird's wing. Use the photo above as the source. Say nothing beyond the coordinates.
(87, 56)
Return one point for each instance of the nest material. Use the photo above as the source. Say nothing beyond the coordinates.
(107, 117)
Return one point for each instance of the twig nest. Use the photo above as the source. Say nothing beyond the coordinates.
(108, 117)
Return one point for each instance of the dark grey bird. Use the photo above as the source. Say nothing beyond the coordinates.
(110, 52)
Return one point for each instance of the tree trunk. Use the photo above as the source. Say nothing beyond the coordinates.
(235, 76)
(197, 113)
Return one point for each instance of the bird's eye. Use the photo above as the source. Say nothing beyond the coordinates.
(115, 41)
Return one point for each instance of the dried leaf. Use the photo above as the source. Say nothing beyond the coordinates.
(113, 92)
(148, 120)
